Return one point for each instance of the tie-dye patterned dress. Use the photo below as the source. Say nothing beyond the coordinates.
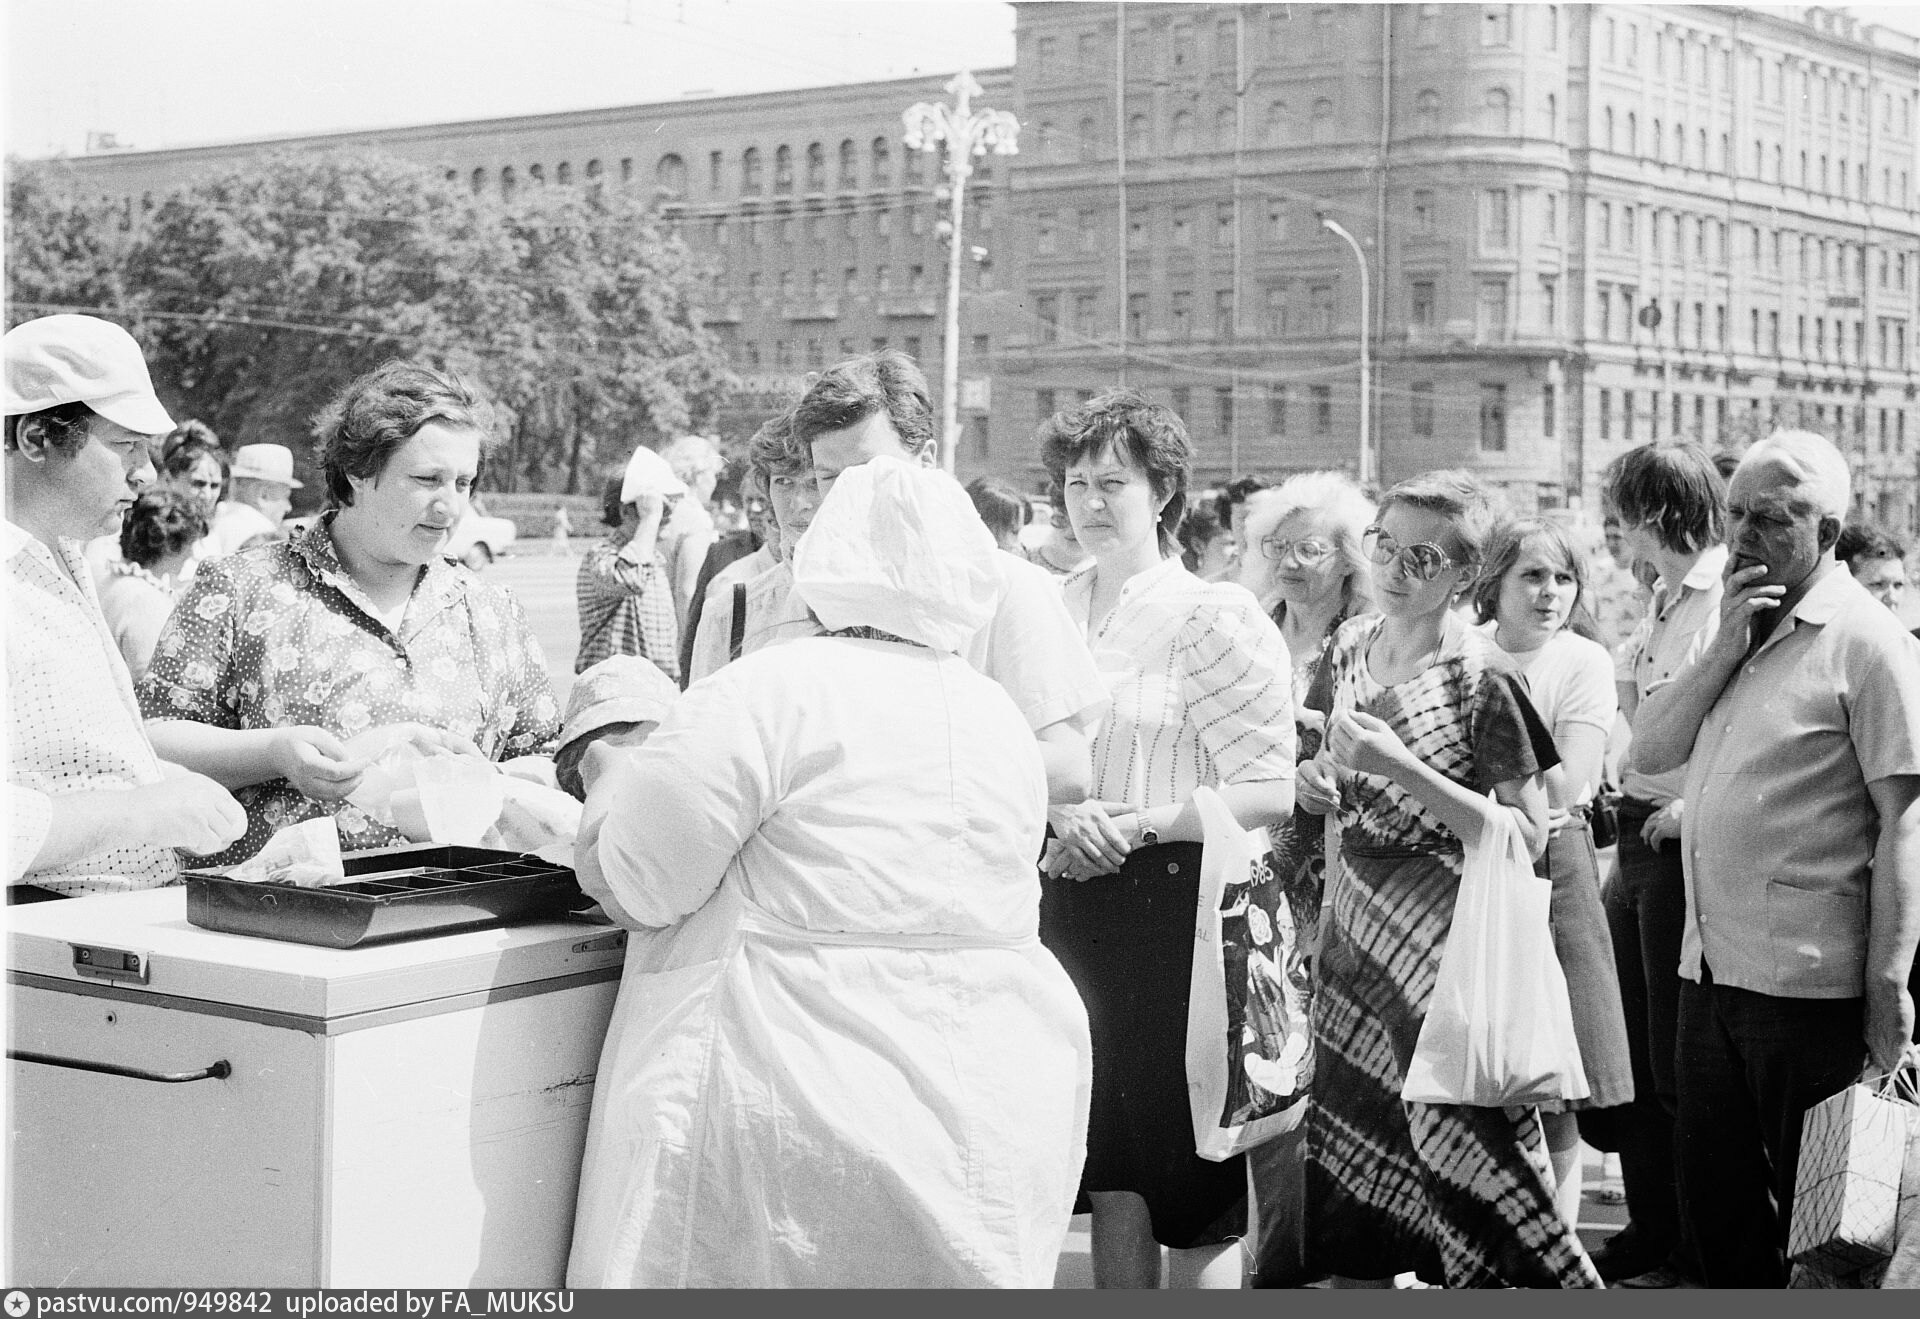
(1460, 1195)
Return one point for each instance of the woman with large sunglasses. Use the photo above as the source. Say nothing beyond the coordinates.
(1427, 717)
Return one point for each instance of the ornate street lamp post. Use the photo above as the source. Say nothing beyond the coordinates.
(1365, 473)
(966, 133)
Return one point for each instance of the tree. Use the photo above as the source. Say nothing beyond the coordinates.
(63, 253)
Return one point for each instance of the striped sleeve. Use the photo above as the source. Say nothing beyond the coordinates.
(1236, 679)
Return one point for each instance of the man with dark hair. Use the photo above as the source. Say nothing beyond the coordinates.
(879, 404)
(90, 807)
(1672, 507)
(1878, 561)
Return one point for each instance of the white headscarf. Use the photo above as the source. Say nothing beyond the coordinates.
(898, 546)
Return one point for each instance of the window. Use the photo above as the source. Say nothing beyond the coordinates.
(1183, 47)
(1223, 314)
(1183, 314)
(1136, 315)
(1626, 415)
(1426, 113)
(507, 181)
(1420, 304)
(1226, 130)
(1085, 308)
(1426, 26)
(1499, 111)
(1629, 227)
(1493, 418)
(1223, 224)
(1548, 403)
(1549, 303)
(1495, 225)
(783, 170)
(1323, 34)
(1422, 211)
(538, 173)
(1183, 226)
(1493, 309)
(816, 168)
(1086, 140)
(563, 174)
(913, 163)
(1047, 308)
(1604, 224)
(1496, 25)
(1274, 312)
(1320, 308)
(1605, 409)
(1420, 420)
(1551, 215)
(1276, 222)
(880, 174)
(1136, 228)
(1223, 409)
(1181, 140)
(1633, 134)
(1182, 401)
(1606, 128)
(1322, 128)
(1044, 241)
(1553, 115)
(1137, 126)
(1603, 304)
(1043, 403)
(750, 170)
(1322, 409)
(1277, 409)
(1089, 230)
(1273, 130)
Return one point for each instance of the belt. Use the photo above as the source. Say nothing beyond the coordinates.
(1637, 807)
(758, 921)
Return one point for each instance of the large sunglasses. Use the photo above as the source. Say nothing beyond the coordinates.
(1307, 551)
(1422, 562)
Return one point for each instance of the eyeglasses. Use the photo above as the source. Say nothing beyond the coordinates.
(1307, 551)
(1423, 562)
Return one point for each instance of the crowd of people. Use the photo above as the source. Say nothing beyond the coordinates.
(899, 791)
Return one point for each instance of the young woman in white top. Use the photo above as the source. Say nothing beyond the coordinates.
(1530, 599)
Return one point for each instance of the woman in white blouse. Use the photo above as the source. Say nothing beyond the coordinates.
(1200, 685)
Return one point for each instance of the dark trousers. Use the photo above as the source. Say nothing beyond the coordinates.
(1646, 908)
(1751, 1065)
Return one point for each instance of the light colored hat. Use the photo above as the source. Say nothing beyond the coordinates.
(648, 473)
(898, 546)
(619, 689)
(265, 462)
(81, 359)
(691, 456)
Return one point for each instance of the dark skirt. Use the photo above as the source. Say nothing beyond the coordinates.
(1585, 948)
(1127, 942)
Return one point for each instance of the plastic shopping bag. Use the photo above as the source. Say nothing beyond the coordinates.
(1499, 1028)
(1249, 1042)
(1849, 1190)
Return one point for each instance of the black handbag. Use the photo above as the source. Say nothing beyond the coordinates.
(1604, 818)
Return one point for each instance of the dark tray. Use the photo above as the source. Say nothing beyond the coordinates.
(392, 893)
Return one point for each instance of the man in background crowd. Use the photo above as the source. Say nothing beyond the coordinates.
(261, 487)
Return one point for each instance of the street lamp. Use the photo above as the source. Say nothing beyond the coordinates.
(966, 133)
(1366, 358)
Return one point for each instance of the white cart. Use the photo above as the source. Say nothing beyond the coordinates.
(196, 1109)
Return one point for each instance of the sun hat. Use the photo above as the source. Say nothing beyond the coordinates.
(899, 546)
(81, 359)
(648, 473)
(265, 462)
(620, 689)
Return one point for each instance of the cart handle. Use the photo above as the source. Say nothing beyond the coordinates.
(219, 1071)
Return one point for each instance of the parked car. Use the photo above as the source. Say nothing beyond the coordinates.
(479, 539)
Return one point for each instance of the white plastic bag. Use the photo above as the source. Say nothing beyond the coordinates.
(1499, 1029)
(1249, 1061)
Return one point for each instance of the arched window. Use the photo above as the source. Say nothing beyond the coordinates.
(670, 175)
(1633, 133)
(1679, 144)
(1087, 141)
(816, 167)
(849, 164)
(913, 165)
(508, 181)
(1553, 115)
(1137, 135)
(1606, 127)
(479, 181)
(1656, 141)
(1426, 113)
(593, 170)
(750, 170)
(1274, 132)
(1225, 131)
(1181, 139)
(563, 174)
(538, 174)
(783, 169)
(1499, 111)
(1700, 140)
(1045, 141)
(1322, 120)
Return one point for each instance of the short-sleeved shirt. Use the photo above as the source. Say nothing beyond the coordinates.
(1570, 681)
(281, 635)
(1200, 682)
(1030, 647)
(1467, 715)
(1679, 625)
(1780, 830)
(72, 722)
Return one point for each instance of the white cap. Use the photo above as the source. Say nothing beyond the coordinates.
(898, 546)
(648, 473)
(81, 359)
(265, 462)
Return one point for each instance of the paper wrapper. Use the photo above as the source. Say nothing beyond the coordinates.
(305, 855)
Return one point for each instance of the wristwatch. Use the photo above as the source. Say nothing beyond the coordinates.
(1149, 836)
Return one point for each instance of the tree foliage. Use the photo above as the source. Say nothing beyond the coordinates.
(261, 289)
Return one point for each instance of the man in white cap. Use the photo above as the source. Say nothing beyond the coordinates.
(623, 588)
(90, 808)
(260, 495)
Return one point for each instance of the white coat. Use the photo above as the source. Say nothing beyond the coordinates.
(840, 1056)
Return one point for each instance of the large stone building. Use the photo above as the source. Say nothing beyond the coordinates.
(1583, 227)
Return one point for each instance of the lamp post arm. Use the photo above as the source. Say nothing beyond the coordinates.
(1366, 362)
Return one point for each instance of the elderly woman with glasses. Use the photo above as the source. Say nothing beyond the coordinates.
(1428, 716)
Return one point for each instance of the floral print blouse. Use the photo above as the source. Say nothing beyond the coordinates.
(281, 635)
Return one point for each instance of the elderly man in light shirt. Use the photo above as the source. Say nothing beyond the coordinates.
(90, 808)
(1800, 727)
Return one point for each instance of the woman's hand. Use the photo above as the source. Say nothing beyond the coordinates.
(315, 762)
(1558, 818)
(1360, 743)
(1316, 788)
(430, 740)
(1088, 837)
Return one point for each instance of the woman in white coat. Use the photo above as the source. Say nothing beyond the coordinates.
(840, 1056)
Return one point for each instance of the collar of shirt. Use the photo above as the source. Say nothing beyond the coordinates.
(1816, 608)
(1077, 588)
(439, 586)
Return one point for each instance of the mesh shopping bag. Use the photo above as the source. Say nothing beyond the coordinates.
(1848, 1186)
(1499, 1026)
(1249, 1040)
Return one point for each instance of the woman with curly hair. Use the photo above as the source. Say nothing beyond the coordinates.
(156, 540)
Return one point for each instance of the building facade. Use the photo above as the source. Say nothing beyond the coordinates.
(1582, 227)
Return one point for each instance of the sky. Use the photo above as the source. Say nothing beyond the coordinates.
(160, 73)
